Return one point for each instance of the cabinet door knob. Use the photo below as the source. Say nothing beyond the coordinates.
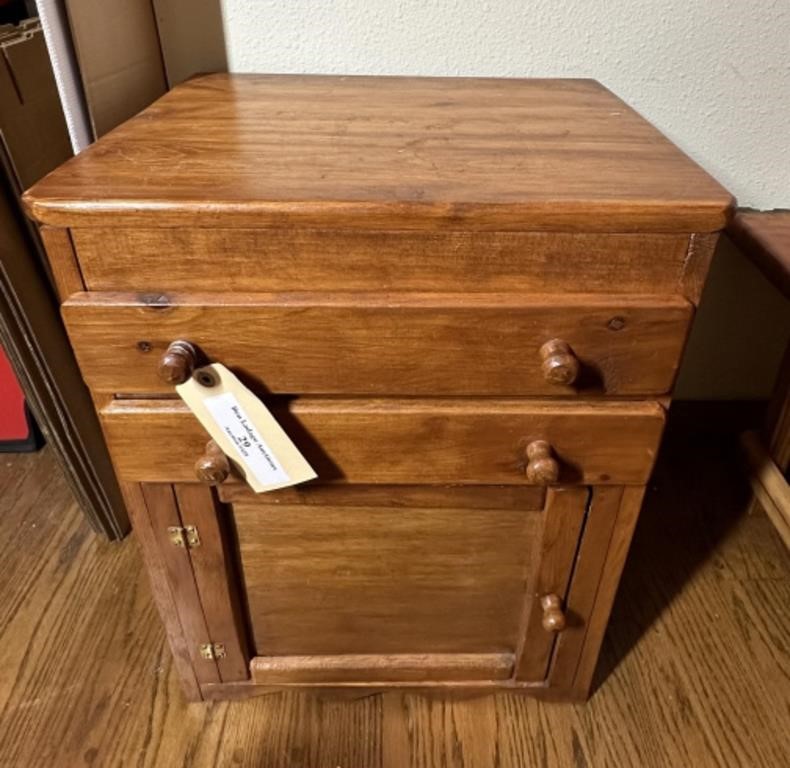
(553, 615)
(213, 466)
(542, 467)
(177, 363)
(560, 365)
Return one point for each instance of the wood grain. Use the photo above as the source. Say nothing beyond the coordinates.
(165, 598)
(268, 670)
(216, 579)
(597, 618)
(696, 648)
(368, 580)
(384, 344)
(258, 260)
(527, 497)
(583, 584)
(701, 250)
(470, 189)
(66, 270)
(562, 524)
(427, 153)
(163, 513)
(468, 442)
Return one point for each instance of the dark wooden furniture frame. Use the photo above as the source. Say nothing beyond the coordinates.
(37, 345)
(765, 239)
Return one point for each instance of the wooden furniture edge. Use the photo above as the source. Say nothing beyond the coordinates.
(216, 577)
(584, 582)
(768, 482)
(697, 263)
(563, 521)
(753, 233)
(377, 668)
(163, 595)
(63, 261)
(165, 516)
(572, 216)
(597, 621)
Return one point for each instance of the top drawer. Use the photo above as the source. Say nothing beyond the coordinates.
(198, 259)
(408, 344)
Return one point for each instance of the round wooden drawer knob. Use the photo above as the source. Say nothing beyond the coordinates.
(213, 466)
(553, 616)
(560, 365)
(542, 467)
(177, 363)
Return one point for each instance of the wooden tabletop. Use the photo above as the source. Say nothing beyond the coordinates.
(765, 237)
(372, 151)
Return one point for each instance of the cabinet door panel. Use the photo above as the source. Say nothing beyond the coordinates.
(358, 594)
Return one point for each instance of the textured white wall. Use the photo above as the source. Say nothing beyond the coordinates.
(713, 75)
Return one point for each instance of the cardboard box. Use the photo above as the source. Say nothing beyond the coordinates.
(192, 37)
(119, 56)
(130, 52)
(31, 119)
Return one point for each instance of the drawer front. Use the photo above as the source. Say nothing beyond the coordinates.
(180, 259)
(409, 441)
(387, 344)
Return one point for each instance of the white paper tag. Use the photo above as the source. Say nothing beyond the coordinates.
(251, 448)
(245, 430)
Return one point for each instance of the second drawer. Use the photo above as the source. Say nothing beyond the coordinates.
(413, 442)
(389, 344)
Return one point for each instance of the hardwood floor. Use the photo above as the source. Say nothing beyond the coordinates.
(695, 669)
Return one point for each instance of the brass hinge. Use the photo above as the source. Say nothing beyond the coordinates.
(186, 537)
(211, 651)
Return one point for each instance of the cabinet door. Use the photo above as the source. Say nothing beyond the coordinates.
(376, 585)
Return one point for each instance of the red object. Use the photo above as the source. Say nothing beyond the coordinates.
(14, 424)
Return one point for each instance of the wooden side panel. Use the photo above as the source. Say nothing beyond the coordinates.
(178, 259)
(62, 261)
(627, 515)
(430, 344)
(696, 264)
(217, 583)
(163, 513)
(383, 580)
(381, 669)
(163, 594)
(592, 554)
(765, 238)
(467, 442)
(562, 525)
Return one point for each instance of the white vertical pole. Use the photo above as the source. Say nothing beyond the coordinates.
(55, 26)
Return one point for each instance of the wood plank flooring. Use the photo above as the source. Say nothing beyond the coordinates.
(695, 669)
